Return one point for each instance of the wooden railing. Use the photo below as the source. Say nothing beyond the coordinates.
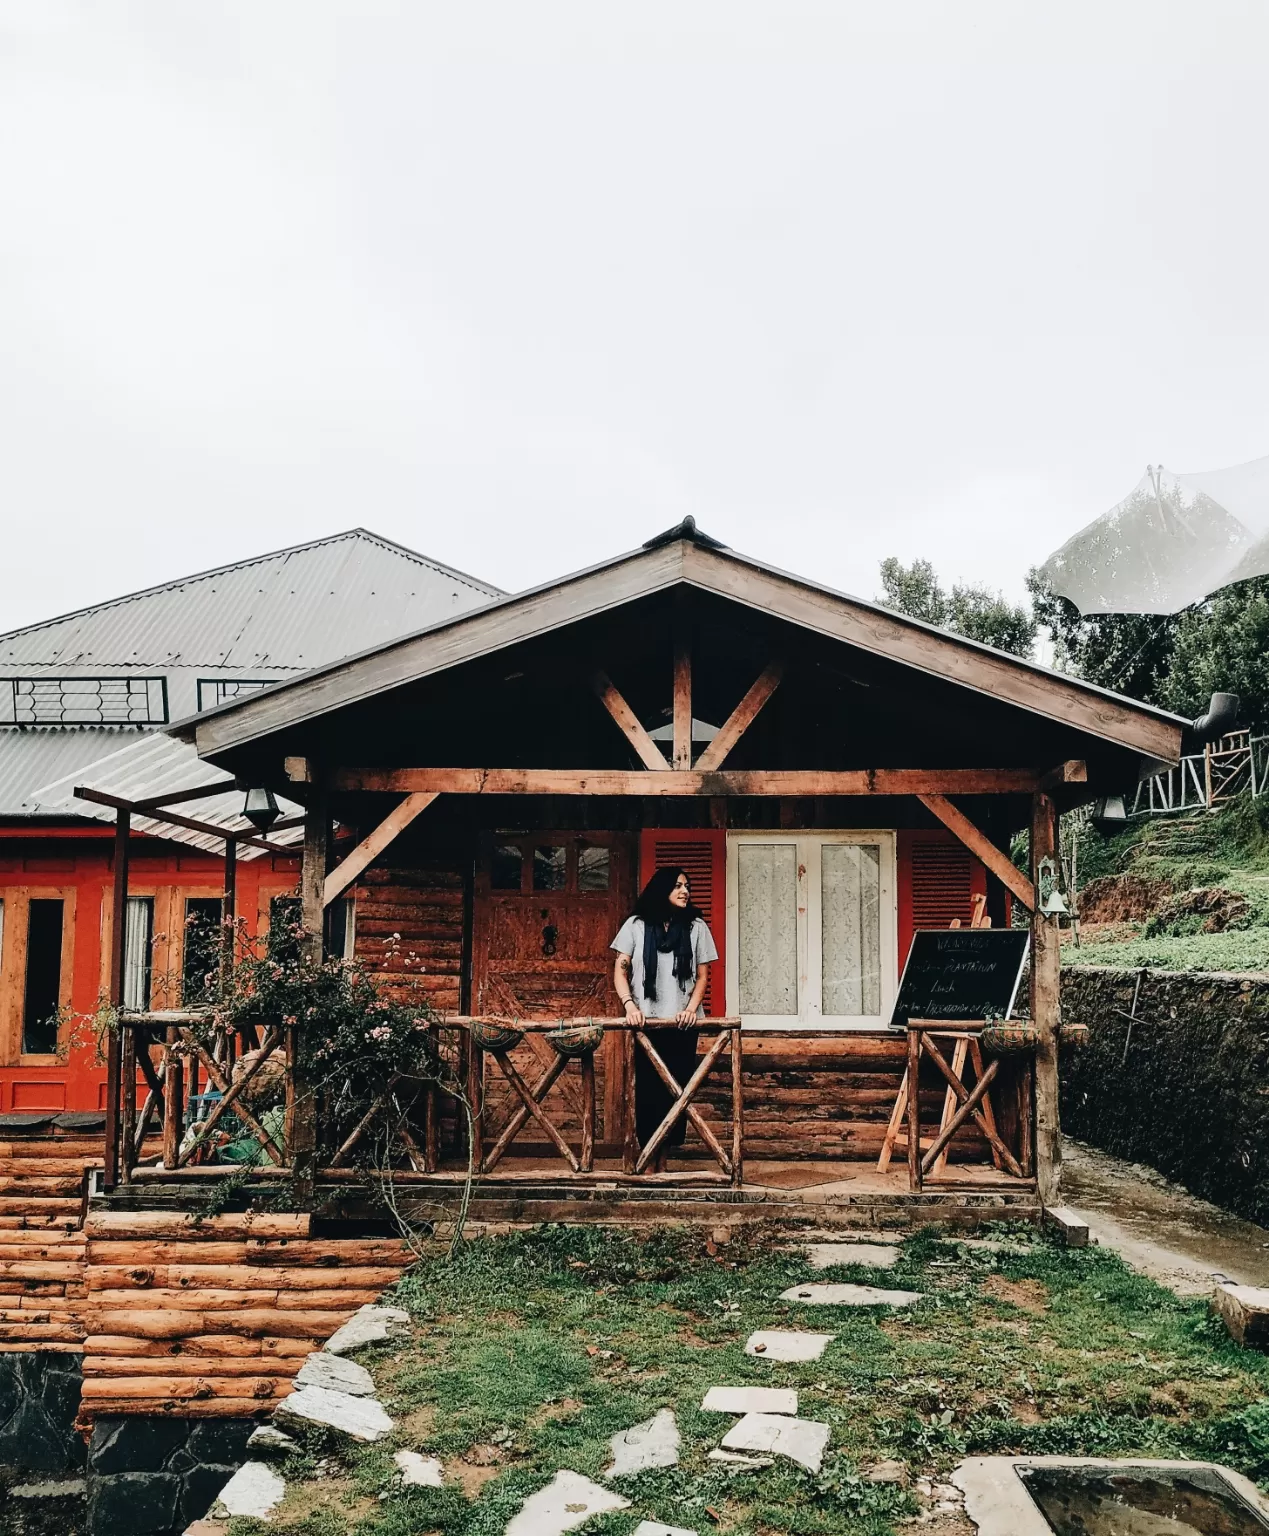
(197, 1082)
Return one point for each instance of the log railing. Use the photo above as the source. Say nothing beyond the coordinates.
(196, 1079)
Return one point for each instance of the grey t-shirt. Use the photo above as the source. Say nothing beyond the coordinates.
(672, 994)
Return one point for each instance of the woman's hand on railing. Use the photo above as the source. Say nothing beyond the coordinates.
(685, 1018)
(634, 1014)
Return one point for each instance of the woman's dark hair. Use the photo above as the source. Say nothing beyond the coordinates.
(654, 905)
(656, 910)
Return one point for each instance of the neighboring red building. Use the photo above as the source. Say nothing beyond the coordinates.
(91, 688)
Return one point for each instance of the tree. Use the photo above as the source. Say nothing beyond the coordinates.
(1222, 646)
(976, 612)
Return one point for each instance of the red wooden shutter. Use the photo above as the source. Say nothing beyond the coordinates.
(938, 880)
(702, 852)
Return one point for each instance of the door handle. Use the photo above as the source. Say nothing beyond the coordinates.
(549, 935)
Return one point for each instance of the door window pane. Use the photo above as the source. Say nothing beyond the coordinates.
(550, 868)
(200, 967)
(43, 977)
(504, 867)
(850, 929)
(138, 952)
(767, 881)
(592, 869)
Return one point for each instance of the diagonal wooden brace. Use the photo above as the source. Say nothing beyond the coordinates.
(683, 1101)
(229, 1099)
(962, 1114)
(987, 1126)
(240, 1109)
(520, 1119)
(535, 1109)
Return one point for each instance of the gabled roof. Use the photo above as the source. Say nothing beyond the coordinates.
(288, 610)
(685, 556)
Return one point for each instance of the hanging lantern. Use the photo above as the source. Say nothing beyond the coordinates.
(260, 808)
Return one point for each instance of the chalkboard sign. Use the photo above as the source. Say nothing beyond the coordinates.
(961, 974)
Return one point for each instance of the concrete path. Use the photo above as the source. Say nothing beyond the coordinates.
(1160, 1229)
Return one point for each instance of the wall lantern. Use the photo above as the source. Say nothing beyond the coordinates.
(1110, 814)
(260, 808)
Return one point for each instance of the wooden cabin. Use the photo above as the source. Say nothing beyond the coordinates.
(834, 776)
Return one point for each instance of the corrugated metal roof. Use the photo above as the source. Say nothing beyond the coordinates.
(293, 609)
(41, 755)
(263, 619)
(148, 766)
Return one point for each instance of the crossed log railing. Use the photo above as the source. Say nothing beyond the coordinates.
(232, 1063)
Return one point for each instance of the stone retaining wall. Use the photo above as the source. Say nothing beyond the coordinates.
(1186, 1088)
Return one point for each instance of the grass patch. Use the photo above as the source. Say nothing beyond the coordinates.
(530, 1350)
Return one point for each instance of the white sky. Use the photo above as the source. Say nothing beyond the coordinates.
(522, 284)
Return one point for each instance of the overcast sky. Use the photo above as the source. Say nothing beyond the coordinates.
(521, 284)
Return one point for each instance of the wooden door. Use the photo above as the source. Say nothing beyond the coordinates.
(547, 906)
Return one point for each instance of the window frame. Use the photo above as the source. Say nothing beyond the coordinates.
(13, 949)
(808, 844)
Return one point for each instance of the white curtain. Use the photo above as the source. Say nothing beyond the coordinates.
(768, 928)
(850, 929)
(138, 935)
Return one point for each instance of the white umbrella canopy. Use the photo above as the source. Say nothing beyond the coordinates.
(1173, 541)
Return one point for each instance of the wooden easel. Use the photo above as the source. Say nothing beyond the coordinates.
(965, 1049)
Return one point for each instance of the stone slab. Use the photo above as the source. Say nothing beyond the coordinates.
(824, 1294)
(361, 1418)
(750, 1400)
(322, 1369)
(567, 1501)
(254, 1490)
(1244, 1309)
(654, 1443)
(266, 1438)
(370, 1324)
(874, 1255)
(801, 1440)
(788, 1346)
(419, 1471)
(1069, 1225)
(67, 1488)
(654, 1528)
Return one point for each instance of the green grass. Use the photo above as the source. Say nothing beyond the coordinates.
(1245, 949)
(529, 1351)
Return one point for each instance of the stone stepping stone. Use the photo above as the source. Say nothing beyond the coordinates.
(368, 1325)
(801, 1440)
(653, 1528)
(750, 1400)
(418, 1471)
(337, 1375)
(361, 1418)
(654, 1443)
(823, 1294)
(254, 1490)
(874, 1255)
(265, 1437)
(785, 1346)
(568, 1500)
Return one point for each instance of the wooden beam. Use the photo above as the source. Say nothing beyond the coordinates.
(99, 797)
(691, 782)
(1071, 772)
(682, 750)
(1046, 1011)
(369, 849)
(631, 727)
(741, 718)
(180, 796)
(118, 956)
(977, 842)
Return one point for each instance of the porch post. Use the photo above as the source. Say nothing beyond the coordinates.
(302, 1132)
(228, 915)
(1045, 1008)
(118, 951)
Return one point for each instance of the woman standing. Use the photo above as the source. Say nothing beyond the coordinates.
(664, 951)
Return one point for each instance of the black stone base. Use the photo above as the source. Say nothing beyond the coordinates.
(153, 1476)
(39, 1398)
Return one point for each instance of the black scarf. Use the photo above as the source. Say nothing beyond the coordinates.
(677, 937)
